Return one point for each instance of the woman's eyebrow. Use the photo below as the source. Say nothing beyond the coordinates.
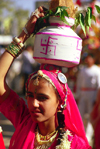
(41, 94)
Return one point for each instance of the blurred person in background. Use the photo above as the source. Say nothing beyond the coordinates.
(14, 78)
(29, 65)
(88, 82)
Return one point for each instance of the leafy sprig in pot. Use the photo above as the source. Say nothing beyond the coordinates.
(82, 18)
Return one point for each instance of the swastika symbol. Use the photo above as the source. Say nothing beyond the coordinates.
(48, 46)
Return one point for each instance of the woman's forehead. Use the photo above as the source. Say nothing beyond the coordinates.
(43, 84)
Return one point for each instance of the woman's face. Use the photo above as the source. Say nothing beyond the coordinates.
(42, 101)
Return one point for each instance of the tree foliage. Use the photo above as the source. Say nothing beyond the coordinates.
(9, 14)
(21, 16)
(6, 5)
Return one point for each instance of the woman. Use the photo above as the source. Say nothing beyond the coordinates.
(52, 119)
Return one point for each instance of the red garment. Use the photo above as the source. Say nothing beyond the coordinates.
(2, 146)
(23, 138)
(95, 120)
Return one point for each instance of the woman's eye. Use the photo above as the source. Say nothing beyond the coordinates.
(29, 95)
(41, 98)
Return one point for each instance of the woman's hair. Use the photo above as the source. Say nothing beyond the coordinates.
(61, 126)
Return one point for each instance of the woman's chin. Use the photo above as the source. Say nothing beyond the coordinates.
(37, 119)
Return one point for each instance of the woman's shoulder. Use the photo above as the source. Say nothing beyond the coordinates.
(72, 141)
(79, 142)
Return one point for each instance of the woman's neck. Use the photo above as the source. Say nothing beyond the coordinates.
(47, 127)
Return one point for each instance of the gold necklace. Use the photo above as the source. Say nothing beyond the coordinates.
(47, 137)
(44, 141)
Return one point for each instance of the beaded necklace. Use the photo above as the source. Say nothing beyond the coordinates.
(44, 142)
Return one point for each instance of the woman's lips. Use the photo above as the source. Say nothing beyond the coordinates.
(36, 112)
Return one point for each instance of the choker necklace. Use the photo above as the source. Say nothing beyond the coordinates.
(44, 141)
(47, 137)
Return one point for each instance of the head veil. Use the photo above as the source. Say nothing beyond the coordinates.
(73, 120)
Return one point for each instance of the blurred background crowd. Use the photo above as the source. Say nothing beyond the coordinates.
(84, 79)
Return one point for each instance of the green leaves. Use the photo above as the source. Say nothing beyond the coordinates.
(50, 12)
(97, 8)
(93, 18)
(88, 18)
(44, 21)
(89, 15)
(58, 11)
(77, 22)
(65, 13)
(84, 20)
(81, 20)
(61, 12)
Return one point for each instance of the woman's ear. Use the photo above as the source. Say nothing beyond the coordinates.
(59, 106)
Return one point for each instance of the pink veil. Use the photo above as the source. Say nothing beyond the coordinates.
(73, 120)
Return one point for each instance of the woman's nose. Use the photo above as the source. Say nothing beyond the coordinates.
(35, 103)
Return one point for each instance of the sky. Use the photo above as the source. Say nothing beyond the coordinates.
(29, 4)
